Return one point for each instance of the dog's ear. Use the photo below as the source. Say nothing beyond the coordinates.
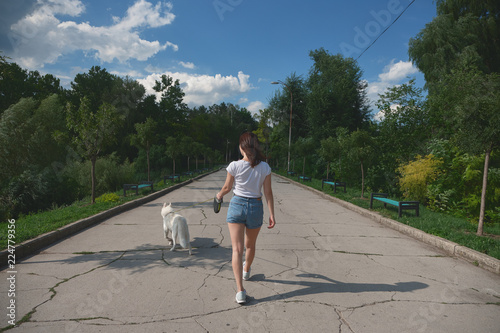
(164, 205)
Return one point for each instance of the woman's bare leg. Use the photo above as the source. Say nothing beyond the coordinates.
(250, 241)
(237, 232)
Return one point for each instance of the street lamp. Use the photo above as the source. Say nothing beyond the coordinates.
(290, 129)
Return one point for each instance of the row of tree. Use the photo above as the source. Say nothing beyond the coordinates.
(438, 148)
(104, 131)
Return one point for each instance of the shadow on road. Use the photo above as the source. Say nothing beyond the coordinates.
(318, 284)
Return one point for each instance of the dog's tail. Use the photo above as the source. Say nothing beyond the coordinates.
(184, 231)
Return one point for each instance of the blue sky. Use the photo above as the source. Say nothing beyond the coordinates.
(220, 50)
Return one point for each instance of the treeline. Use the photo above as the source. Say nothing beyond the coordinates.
(439, 148)
(60, 145)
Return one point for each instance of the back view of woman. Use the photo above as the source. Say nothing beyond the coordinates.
(246, 214)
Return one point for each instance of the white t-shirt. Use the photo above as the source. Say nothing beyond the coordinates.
(248, 181)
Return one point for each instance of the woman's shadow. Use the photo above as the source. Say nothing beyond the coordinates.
(318, 284)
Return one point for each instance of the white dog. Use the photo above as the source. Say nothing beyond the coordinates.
(177, 225)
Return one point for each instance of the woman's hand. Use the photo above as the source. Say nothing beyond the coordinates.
(272, 222)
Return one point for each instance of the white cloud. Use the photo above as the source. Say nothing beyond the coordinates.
(189, 65)
(393, 74)
(42, 38)
(255, 106)
(203, 89)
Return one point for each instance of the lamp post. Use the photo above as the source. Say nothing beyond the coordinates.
(290, 128)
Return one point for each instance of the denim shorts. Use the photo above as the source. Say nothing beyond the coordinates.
(248, 211)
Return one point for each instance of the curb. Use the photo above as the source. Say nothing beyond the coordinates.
(476, 258)
(32, 246)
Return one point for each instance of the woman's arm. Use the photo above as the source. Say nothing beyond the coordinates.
(228, 185)
(268, 192)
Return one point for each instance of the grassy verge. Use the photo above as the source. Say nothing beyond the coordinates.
(30, 226)
(449, 227)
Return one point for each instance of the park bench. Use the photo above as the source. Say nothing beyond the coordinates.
(304, 178)
(291, 173)
(172, 177)
(136, 187)
(402, 205)
(333, 184)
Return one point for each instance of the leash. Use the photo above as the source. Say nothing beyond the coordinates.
(196, 204)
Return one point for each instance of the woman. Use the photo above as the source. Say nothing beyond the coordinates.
(245, 214)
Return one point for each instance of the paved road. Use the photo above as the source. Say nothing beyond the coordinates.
(323, 268)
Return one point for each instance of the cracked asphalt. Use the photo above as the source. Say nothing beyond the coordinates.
(323, 268)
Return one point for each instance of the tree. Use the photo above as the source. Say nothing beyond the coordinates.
(146, 136)
(459, 54)
(329, 150)
(172, 104)
(474, 100)
(304, 147)
(403, 130)
(361, 150)
(93, 131)
(96, 87)
(16, 83)
(337, 94)
(279, 106)
(199, 150)
(30, 162)
(187, 148)
(463, 31)
(263, 131)
(173, 150)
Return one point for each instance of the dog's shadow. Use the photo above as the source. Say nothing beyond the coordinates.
(319, 284)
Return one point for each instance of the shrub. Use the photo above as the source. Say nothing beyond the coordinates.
(417, 175)
(108, 197)
(110, 175)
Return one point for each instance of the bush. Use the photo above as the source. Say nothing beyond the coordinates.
(417, 175)
(108, 197)
(110, 175)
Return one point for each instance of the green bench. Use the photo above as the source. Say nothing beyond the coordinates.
(304, 178)
(172, 177)
(333, 184)
(136, 187)
(402, 205)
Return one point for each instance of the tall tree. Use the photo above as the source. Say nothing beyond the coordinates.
(94, 130)
(172, 104)
(361, 150)
(474, 99)
(279, 105)
(337, 94)
(146, 137)
(329, 151)
(404, 128)
(459, 54)
(96, 86)
(173, 151)
(16, 83)
(303, 147)
(463, 31)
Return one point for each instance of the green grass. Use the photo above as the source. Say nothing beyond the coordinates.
(449, 227)
(30, 226)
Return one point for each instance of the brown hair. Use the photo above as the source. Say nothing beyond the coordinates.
(249, 143)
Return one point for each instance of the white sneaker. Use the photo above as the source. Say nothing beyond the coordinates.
(241, 297)
(246, 275)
